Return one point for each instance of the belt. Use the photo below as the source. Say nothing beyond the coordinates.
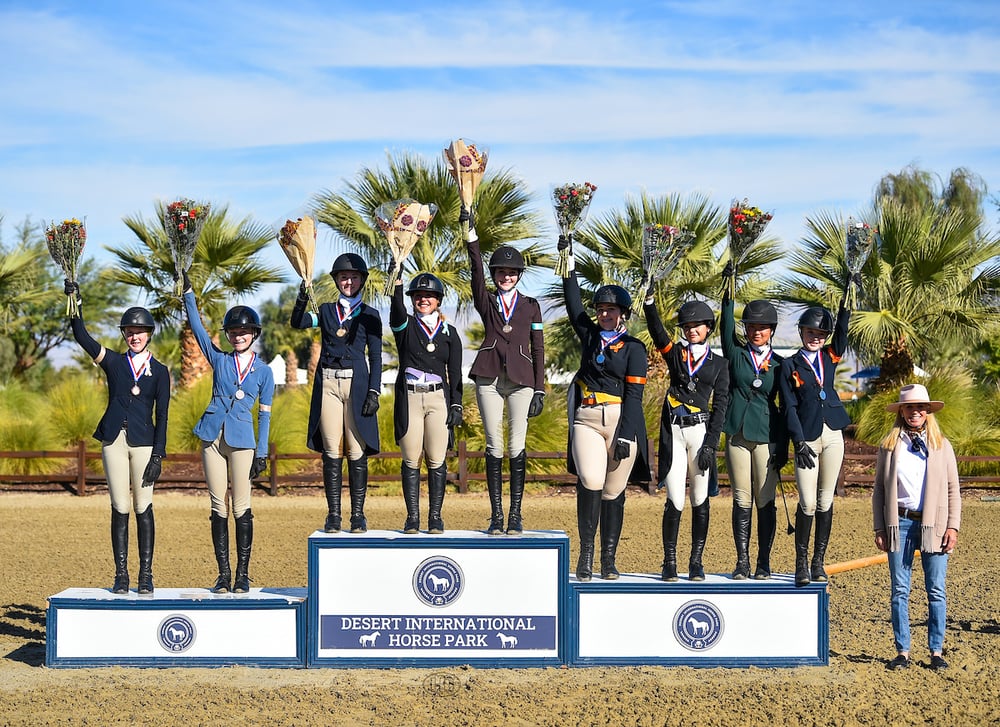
(424, 388)
(915, 515)
(592, 400)
(689, 420)
(338, 373)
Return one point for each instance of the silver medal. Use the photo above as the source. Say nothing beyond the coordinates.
(692, 385)
(239, 394)
(507, 328)
(431, 347)
(135, 390)
(756, 383)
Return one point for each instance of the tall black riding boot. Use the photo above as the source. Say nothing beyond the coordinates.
(411, 497)
(494, 483)
(146, 531)
(803, 529)
(767, 517)
(671, 526)
(244, 544)
(588, 515)
(741, 536)
(357, 482)
(699, 534)
(332, 484)
(436, 480)
(517, 465)
(119, 550)
(824, 523)
(612, 515)
(220, 542)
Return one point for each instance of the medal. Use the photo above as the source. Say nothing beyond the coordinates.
(242, 375)
(606, 339)
(135, 390)
(431, 332)
(819, 373)
(822, 395)
(507, 311)
(692, 385)
(759, 365)
(507, 328)
(137, 372)
(600, 358)
(694, 366)
(344, 314)
(239, 394)
(341, 332)
(431, 347)
(756, 383)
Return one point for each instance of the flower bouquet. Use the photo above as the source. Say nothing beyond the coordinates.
(66, 241)
(402, 222)
(663, 247)
(183, 221)
(570, 202)
(746, 225)
(861, 238)
(467, 163)
(298, 242)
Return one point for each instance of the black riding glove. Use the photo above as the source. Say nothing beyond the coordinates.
(805, 457)
(258, 466)
(303, 291)
(71, 287)
(729, 271)
(371, 404)
(466, 216)
(454, 416)
(183, 276)
(564, 242)
(778, 460)
(536, 405)
(152, 471)
(706, 458)
(621, 450)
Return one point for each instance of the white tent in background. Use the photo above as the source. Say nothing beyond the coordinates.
(279, 369)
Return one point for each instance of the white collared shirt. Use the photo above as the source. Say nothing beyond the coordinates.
(911, 473)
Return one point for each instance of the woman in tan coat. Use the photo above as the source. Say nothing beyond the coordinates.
(916, 505)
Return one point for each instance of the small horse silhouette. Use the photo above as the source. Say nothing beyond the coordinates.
(439, 584)
(507, 642)
(698, 627)
(368, 640)
(176, 634)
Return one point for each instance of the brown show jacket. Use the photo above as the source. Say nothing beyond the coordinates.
(520, 352)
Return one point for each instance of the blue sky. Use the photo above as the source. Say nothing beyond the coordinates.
(802, 107)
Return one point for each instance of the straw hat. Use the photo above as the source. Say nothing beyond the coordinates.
(915, 394)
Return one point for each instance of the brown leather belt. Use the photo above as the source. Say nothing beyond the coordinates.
(915, 515)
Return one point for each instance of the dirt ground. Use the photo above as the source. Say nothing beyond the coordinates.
(49, 542)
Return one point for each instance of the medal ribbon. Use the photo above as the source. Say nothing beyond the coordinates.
(607, 340)
(507, 311)
(136, 373)
(817, 372)
(694, 366)
(341, 317)
(758, 365)
(241, 375)
(427, 329)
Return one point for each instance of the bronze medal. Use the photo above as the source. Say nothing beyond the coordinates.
(341, 332)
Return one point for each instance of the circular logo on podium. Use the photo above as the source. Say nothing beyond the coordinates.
(176, 633)
(698, 625)
(438, 581)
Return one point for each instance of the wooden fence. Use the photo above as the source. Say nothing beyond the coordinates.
(80, 479)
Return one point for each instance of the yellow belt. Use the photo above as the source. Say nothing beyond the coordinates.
(592, 398)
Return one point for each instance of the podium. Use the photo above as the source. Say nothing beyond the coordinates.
(463, 597)
(176, 627)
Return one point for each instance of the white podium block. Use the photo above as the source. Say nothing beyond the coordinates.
(385, 599)
(640, 619)
(176, 627)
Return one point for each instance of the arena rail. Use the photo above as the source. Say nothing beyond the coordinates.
(81, 474)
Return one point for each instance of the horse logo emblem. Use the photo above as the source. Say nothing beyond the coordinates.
(176, 633)
(438, 581)
(698, 625)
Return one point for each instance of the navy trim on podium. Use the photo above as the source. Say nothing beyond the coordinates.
(689, 622)
(392, 564)
(177, 627)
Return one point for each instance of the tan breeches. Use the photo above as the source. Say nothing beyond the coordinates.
(226, 467)
(123, 468)
(753, 482)
(593, 445)
(426, 429)
(336, 421)
(818, 485)
(491, 394)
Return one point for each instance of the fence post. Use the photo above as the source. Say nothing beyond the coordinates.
(463, 467)
(81, 468)
(272, 456)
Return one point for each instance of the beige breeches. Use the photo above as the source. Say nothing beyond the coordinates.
(426, 429)
(336, 421)
(753, 482)
(226, 467)
(593, 445)
(491, 395)
(818, 485)
(123, 468)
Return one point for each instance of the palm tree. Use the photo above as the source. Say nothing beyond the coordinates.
(502, 216)
(929, 284)
(225, 266)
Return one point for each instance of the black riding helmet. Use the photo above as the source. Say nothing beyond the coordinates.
(242, 316)
(350, 261)
(761, 313)
(137, 317)
(695, 311)
(615, 295)
(817, 317)
(426, 283)
(506, 256)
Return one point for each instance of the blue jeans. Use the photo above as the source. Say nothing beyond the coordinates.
(935, 567)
